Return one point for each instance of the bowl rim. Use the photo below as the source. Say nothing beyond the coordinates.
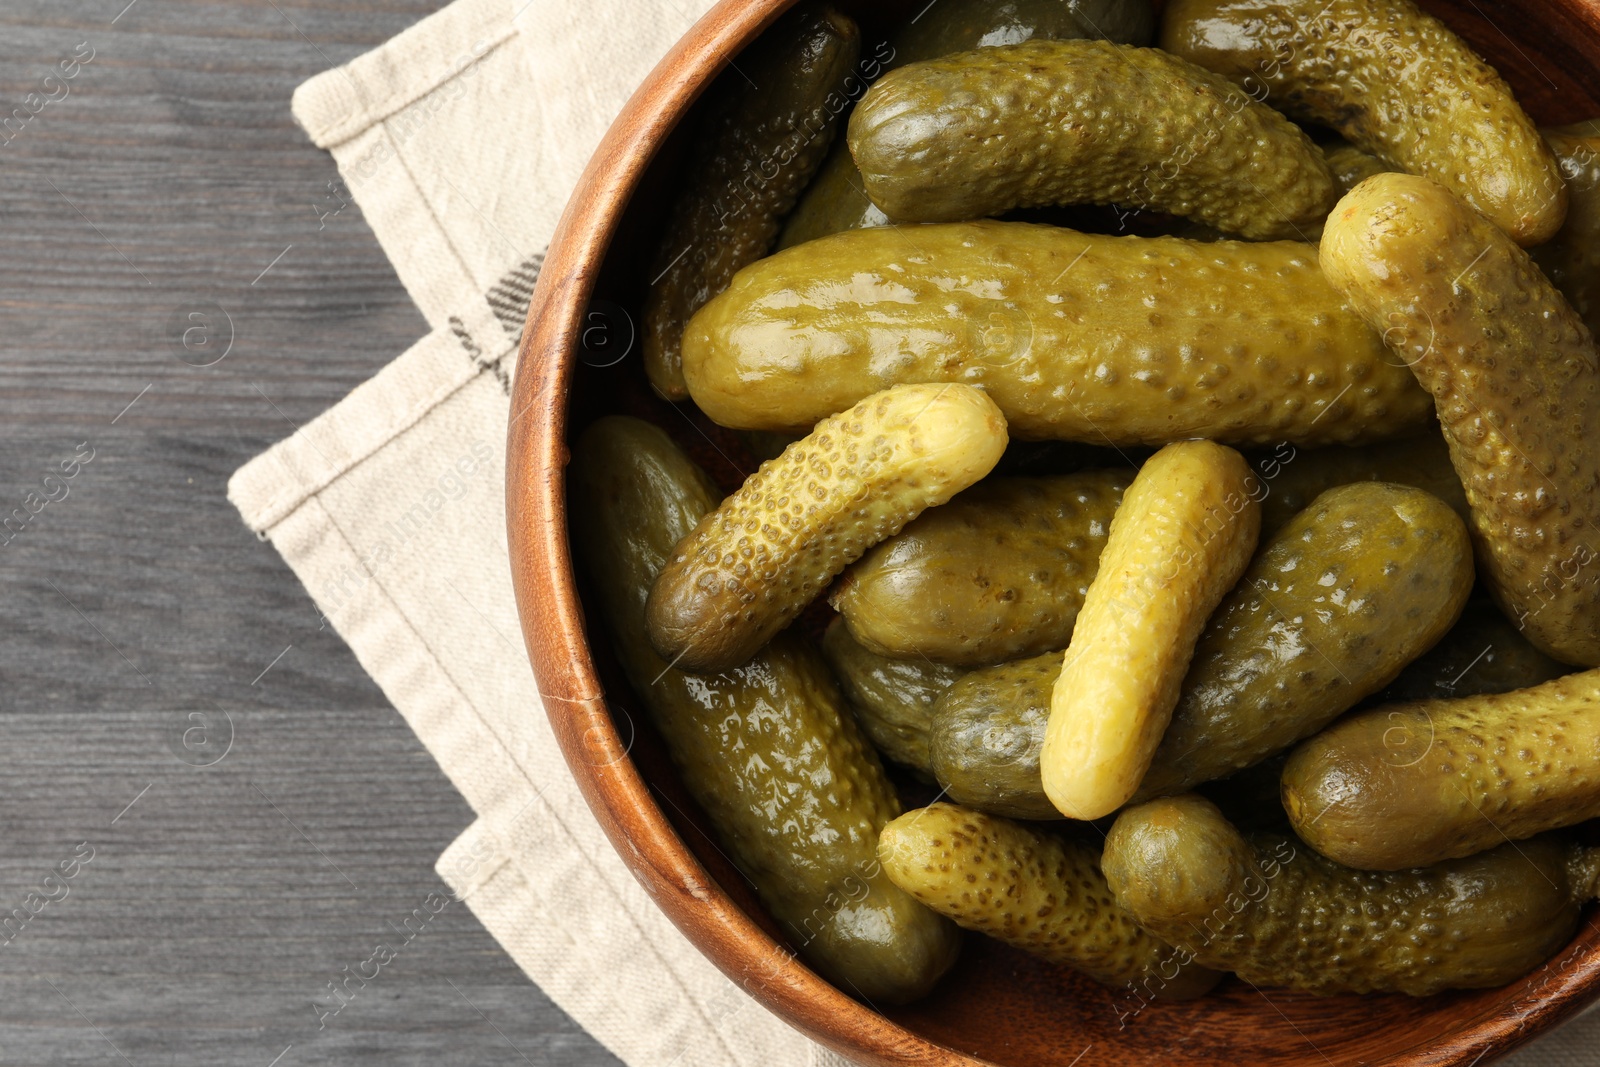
(551, 618)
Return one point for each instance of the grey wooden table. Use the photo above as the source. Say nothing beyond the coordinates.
(195, 893)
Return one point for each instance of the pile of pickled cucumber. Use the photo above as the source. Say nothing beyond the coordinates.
(1283, 665)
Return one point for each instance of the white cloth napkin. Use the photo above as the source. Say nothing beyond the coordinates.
(461, 140)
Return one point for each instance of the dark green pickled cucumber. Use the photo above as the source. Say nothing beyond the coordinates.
(795, 795)
(1296, 477)
(1029, 889)
(835, 199)
(1482, 653)
(961, 25)
(1329, 611)
(1393, 80)
(756, 150)
(1571, 259)
(986, 734)
(1084, 122)
(893, 698)
(1407, 784)
(1350, 166)
(997, 573)
(1277, 914)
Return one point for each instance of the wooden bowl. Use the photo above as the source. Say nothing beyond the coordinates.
(580, 358)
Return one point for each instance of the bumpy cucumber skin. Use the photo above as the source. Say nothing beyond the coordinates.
(986, 733)
(1029, 889)
(794, 793)
(1514, 374)
(1277, 914)
(893, 699)
(1183, 535)
(1261, 678)
(1084, 122)
(753, 157)
(1296, 477)
(1482, 653)
(1356, 586)
(1105, 340)
(1571, 259)
(996, 574)
(836, 200)
(1408, 784)
(766, 552)
(1394, 81)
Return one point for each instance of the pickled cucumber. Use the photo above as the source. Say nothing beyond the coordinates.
(996, 574)
(961, 25)
(1482, 653)
(892, 698)
(794, 794)
(1571, 260)
(1030, 889)
(1084, 122)
(1356, 586)
(1106, 340)
(1407, 784)
(766, 552)
(1278, 914)
(1394, 81)
(986, 733)
(1516, 378)
(1183, 535)
(1350, 166)
(756, 151)
(1330, 609)
(835, 199)
(1296, 477)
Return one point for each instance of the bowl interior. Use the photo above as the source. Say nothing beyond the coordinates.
(1000, 1005)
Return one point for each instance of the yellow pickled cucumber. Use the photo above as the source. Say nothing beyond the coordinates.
(794, 794)
(766, 552)
(1393, 80)
(996, 574)
(893, 698)
(755, 152)
(1183, 535)
(1516, 378)
(1277, 914)
(1084, 122)
(1105, 340)
(1407, 784)
(1030, 889)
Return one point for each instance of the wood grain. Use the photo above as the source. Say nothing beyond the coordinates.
(217, 907)
(997, 1006)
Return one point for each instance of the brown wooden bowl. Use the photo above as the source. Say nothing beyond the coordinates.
(998, 1006)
